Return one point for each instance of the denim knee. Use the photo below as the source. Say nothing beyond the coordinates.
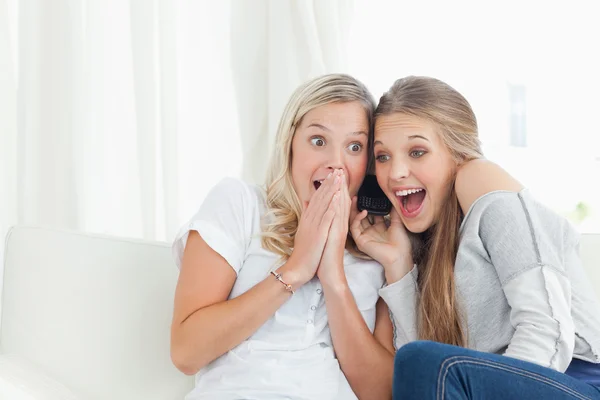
(419, 354)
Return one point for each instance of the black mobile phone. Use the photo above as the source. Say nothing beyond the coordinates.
(372, 198)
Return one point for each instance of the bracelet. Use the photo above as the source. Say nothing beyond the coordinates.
(278, 277)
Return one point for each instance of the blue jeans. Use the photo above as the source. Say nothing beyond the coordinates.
(429, 370)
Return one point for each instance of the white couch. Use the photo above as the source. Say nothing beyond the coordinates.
(87, 316)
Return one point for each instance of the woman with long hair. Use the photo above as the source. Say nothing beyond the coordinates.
(490, 300)
(270, 281)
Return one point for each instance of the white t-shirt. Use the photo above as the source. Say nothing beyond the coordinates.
(291, 355)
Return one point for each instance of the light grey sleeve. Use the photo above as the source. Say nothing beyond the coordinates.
(401, 298)
(527, 248)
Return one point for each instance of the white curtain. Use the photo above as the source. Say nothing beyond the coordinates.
(95, 100)
(118, 116)
(276, 45)
(8, 121)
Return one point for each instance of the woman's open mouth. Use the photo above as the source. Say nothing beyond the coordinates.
(411, 201)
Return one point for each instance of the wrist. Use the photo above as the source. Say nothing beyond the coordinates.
(397, 269)
(335, 285)
(293, 274)
(331, 267)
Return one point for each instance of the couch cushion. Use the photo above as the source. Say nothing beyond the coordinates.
(21, 380)
(93, 312)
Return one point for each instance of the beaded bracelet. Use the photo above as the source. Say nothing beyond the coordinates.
(278, 277)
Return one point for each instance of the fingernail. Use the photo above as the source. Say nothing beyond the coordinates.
(337, 179)
(329, 176)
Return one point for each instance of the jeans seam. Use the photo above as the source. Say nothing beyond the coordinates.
(445, 367)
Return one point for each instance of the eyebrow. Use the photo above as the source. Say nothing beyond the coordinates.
(323, 127)
(410, 137)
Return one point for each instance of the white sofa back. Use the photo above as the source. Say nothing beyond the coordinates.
(93, 312)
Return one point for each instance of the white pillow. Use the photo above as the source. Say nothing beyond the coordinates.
(21, 380)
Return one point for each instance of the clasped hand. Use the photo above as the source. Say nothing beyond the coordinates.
(323, 230)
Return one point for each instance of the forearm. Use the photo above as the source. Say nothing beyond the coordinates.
(367, 365)
(212, 331)
(402, 299)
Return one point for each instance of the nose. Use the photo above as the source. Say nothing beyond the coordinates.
(399, 170)
(336, 160)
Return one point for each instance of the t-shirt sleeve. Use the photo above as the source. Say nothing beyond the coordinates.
(224, 221)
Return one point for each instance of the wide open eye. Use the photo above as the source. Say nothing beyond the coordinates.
(317, 141)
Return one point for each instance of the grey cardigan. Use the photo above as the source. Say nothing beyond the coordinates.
(520, 284)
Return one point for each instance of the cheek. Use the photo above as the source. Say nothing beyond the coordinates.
(430, 179)
(295, 168)
(382, 174)
(300, 173)
(382, 171)
(357, 170)
(433, 174)
(436, 184)
(298, 176)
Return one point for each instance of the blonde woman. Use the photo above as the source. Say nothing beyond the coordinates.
(269, 279)
(494, 303)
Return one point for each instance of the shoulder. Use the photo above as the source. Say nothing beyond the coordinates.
(511, 219)
(237, 190)
(477, 178)
(233, 198)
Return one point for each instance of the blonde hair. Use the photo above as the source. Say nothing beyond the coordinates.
(283, 205)
(439, 317)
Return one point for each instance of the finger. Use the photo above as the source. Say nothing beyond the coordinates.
(316, 207)
(329, 216)
(323, 188)
(333, 202)
(379, 224)
(330, 190)
(354, 208)
(329, 186)
(324, 201)
(365, 223)
(339, 212)
(346, 202)
(356, 228)
(395, 217)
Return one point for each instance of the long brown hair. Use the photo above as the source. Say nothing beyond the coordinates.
(439, 317)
